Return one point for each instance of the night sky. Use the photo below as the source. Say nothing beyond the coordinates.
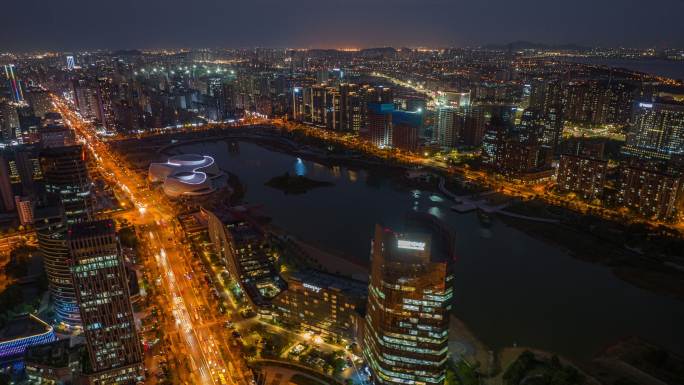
(87, 24)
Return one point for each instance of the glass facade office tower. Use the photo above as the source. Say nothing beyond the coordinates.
(407, 319)
(104, 302)
(68, 192)
(51, 233)
(66, 178)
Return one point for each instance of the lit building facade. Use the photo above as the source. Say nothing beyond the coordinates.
(448, 124)
(55, 363)
(583, 171)
(379, 130)
(657, 130)
(24, 209)
(323, 303)
(66, 178)
(15, 84)
(407, 316)
(68, 187)
(652, 191)
(246, 253)
(51, 235)
(102, 292)
(22, 333)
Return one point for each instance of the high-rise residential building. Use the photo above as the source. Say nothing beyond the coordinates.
(405, 128)
(451, 114)
(582, 170)
(407, 317)
(105, 106)
(553, 127)
(514, 153)
(86, 99)
(449, 124)
(317, 104)
(297, 104)
(657, 130)
(333, 112)
(104, 302)
(546, 94)
(652, 190)
(379, 130)
(340, 108)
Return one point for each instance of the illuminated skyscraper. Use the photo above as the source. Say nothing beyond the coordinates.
(379, 130)
(407, 319)
(657, 130)
(51, 234)
(68, 187)
(14, 83)
(104, 301)
(66, 178)
(449, 124)
(451, 117)
(9, 121)
(71, 63)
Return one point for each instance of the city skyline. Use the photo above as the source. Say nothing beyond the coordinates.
(506, 214)
(356, 24)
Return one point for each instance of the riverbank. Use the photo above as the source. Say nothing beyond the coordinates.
(555, 225)
(645, 271)
(508, 285)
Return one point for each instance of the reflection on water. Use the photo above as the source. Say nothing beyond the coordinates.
(436, 211)
(509, 287)
(233, 148)
(336, 171)
(300, 167)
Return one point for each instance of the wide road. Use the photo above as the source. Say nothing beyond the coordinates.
(193, 316)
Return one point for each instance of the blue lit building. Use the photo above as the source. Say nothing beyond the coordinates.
(14, 83)
(21, 333)
(391, 128)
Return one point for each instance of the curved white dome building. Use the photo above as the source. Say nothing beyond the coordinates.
(187, 174)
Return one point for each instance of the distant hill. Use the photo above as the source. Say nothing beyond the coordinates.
(520, 45)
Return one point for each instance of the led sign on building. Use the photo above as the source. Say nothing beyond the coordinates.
(410, 245)
(312, 287)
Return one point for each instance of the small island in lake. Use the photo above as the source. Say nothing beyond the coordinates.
(295, 184)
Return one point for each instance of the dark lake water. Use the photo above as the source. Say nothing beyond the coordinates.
(668, 68)
(510, 288)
